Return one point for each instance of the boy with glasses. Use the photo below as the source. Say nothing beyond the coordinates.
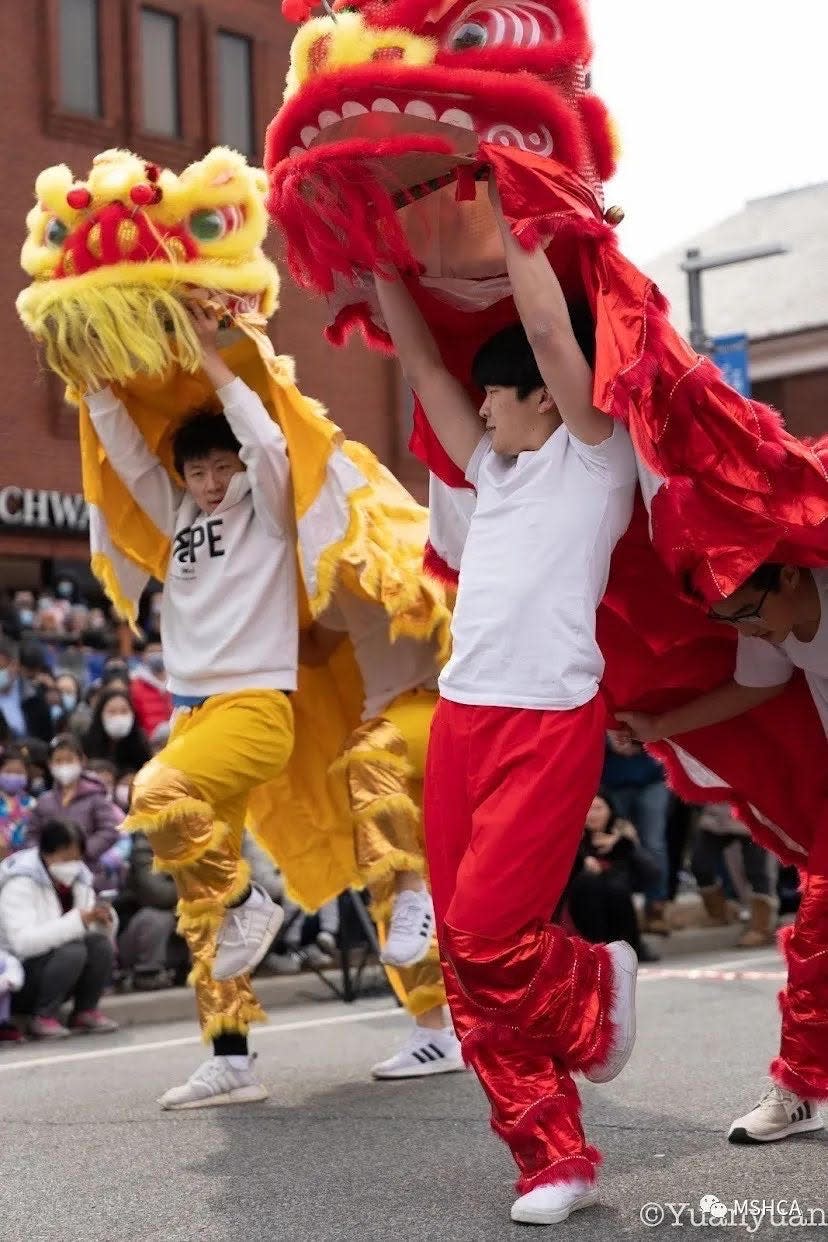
(781, 614)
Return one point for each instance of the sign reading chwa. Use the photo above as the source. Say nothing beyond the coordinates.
(37, 509)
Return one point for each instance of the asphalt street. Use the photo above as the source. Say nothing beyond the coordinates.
(87, 1155)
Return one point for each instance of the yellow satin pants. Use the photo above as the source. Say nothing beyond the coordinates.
(191, 801)
(382, 764)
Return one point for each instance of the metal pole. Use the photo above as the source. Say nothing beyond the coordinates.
(698, 336)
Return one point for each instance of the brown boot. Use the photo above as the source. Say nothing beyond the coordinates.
(715, 904)
(656, 920)
(761, 930)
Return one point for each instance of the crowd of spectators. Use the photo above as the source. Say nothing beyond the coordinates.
(81, 711)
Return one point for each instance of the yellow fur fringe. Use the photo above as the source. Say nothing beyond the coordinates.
(237, 1024)
(389, 865)
(98, 336)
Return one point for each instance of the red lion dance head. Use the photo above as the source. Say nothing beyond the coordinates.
(392, 114)
(373, 155)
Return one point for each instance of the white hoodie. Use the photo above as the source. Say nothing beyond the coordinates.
(32, 921)
(229, 617)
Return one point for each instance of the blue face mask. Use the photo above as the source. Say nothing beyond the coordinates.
(56, 710)
(5, 680)
(65, 590)
(13, 783)
(26, 617)
(70, 701)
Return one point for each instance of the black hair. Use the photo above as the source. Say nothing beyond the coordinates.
(101, 766)
(32, 656)
(56, 834)
(767, 577)
(204, 432)
(607, 797)
(506, 360)
(12, 754)
(8, 649)
(128, 753)
(66, 741)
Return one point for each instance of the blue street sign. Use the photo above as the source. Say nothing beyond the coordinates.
(731, 356)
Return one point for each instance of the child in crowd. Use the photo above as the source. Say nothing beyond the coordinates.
(16, 803)
(79, 796)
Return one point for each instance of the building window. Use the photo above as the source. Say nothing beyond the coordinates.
(235, 92)
(80, 74)
(159, 73)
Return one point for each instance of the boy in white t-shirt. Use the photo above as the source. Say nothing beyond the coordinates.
(781, 613)
(517, 740)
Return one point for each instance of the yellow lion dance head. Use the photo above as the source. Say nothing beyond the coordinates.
(112, 256)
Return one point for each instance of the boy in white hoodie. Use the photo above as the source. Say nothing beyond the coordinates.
(229, 629)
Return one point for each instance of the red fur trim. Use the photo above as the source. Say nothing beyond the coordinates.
(815, 1089)
(436, 567)
(356, 317)
(607, 1032)
(337, 218)
(570, 1169)
(783, 940)
(599, 131)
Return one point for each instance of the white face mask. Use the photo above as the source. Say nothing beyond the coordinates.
(66, 773)
(118, 726)
(65, 872)
(122, 795)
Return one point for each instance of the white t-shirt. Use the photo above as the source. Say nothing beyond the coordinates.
(534, 570)
(388, 668)
(760, 663)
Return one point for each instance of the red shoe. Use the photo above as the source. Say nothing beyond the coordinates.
(10, 1035)
(47, 1028)
(91, 1022)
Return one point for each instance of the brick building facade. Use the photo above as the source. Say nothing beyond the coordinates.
(169, 80)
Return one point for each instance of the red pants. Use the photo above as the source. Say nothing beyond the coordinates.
(802, 1064)
(506, 796)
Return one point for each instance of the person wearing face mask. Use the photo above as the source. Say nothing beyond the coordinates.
(81, 797)
(16, 803)
(22, 700)
(25, 604)
(51, 920)
(150, 697)
(115, 734)
(77, 715)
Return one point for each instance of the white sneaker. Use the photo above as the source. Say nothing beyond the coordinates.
(287, 963)
(216, 1082)
(410, 929)
(549, 1205)
(778, 1114)
(622, 1012)
(424, 1052)
(246, 934)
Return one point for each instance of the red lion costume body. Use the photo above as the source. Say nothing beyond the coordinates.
(392, 113)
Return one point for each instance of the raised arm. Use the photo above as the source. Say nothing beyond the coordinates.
(263, 446)
(451, 413)
(543, 312)
(723, 703)
(132, 460)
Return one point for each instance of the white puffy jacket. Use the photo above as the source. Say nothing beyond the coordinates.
(32, 921)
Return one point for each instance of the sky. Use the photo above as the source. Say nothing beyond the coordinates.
(716, 101)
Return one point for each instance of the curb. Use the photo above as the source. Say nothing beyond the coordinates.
(275, 992)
